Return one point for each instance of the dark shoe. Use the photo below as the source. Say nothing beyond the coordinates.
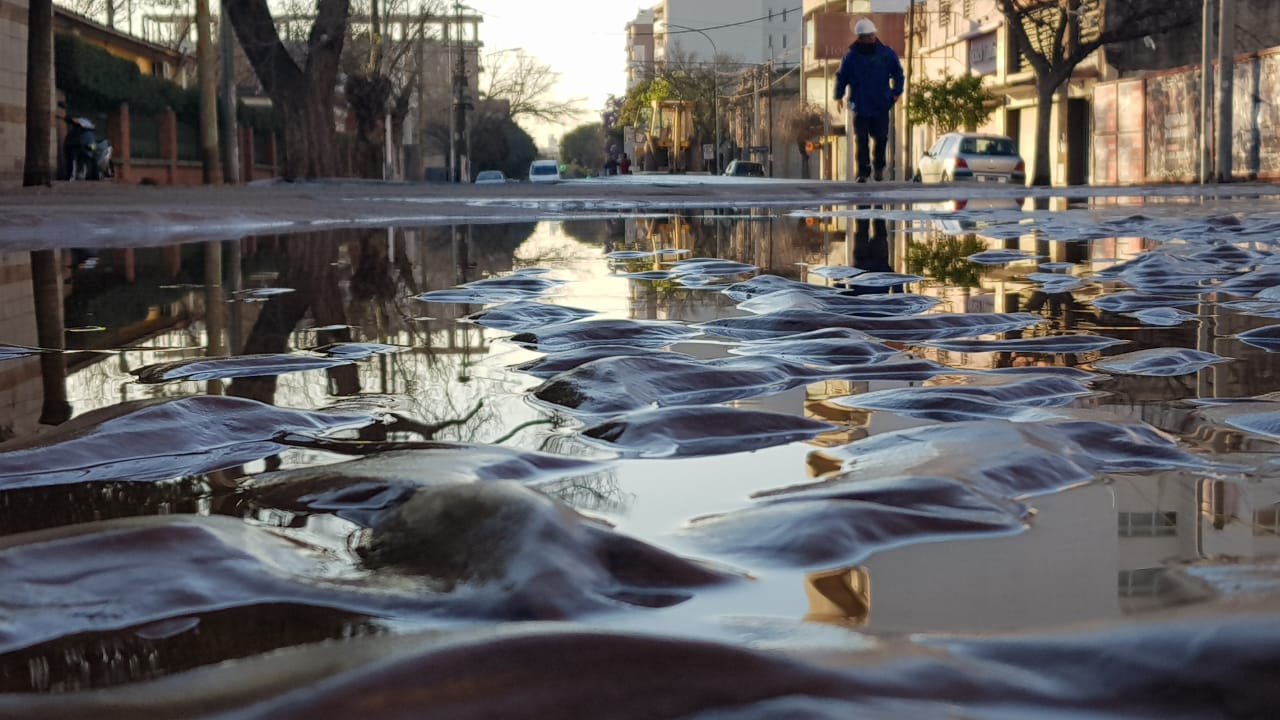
(861, 179)
(879, 175)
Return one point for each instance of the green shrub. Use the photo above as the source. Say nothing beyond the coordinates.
(97, 81)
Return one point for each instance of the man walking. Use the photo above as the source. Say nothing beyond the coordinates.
(873, 74)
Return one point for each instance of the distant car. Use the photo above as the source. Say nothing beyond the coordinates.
(491, 177)
(541, 171)
(972, 157)
(744, 168)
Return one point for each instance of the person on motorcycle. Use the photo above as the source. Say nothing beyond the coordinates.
(87, 157)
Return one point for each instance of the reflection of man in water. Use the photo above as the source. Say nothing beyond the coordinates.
(871, 252)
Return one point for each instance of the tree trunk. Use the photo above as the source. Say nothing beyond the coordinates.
(310, 141)
(1042, 171)
(37, 167)
(305, 98)
(46, 284)
(206, 74)
(310, 272)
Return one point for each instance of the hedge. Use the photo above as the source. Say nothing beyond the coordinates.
(94, 79)
(97, 81)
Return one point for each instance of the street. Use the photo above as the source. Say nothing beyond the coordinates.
(72, 214)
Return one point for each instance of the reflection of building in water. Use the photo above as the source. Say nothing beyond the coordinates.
(1240, 519)
(853, 421)
(20, 391)
(1062, 570)
(1163, 521)
(1155, 525)
(841, 596)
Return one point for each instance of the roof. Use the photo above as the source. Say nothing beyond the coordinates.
(66, 20)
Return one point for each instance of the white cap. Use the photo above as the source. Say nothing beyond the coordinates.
(864, 27)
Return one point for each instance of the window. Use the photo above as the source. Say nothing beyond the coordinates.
(991, 146)
(944, 13)
(1143, 582)
(966, 9)
(1267, 521)
(1148, 524)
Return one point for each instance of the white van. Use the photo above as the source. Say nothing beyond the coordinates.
(544, 171)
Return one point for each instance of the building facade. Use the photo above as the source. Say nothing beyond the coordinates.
(748, 32)
(640, 48)
(13, 90)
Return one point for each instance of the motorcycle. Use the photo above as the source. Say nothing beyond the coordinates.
(88, 158)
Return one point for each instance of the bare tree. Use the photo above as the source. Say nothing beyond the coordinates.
(1054, 36)
(805, 124)
(303, 94)
(381, 77)
(526, 83)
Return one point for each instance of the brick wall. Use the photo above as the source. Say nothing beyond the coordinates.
(13, 90)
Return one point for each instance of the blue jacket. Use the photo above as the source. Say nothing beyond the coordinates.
(874, 79)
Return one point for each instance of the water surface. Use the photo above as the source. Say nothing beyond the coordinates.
(935, 442)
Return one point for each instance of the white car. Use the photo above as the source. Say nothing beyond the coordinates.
(491, 177)
(543, 171)
(972, 157)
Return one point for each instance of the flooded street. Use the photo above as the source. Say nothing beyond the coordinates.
(913, 460)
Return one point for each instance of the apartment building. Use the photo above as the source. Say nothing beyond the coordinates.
(741, 32)
(640, 48)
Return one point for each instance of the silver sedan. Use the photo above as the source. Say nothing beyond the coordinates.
(972, 157)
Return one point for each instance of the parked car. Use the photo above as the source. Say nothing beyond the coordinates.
(491, 177)
(544, 171)
(972, 157)
(744, 168)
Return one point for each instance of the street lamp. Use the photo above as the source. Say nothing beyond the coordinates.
(715, 86)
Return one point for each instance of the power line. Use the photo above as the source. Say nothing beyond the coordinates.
(762, 18)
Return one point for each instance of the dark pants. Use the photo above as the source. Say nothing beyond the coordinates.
(870, 127)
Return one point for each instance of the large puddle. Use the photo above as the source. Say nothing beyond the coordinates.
(901, 461)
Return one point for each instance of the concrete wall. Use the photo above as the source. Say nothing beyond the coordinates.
(1257, 28)
(13, 90)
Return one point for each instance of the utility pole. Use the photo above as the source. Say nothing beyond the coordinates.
(227, 80)
(715, 85)
(908, 162)
(458, 150)
(769, 114)
(206, 75)
(1226, 68)
(755, 107)
(1206, 56)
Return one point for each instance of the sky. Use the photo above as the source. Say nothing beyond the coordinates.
(582, 40)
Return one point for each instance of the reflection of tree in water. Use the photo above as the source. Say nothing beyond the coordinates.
(595, 492)
(105, 659)
(309, 268)
(609, 232)
(945, 259)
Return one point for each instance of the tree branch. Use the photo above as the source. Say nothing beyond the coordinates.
(256, 30)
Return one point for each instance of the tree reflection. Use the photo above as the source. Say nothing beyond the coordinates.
(46, 283)
(944, 258)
